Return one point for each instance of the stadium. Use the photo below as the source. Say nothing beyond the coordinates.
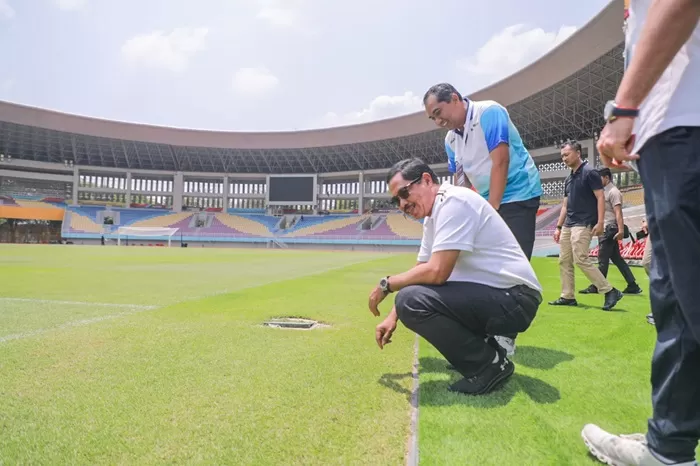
(139, 353)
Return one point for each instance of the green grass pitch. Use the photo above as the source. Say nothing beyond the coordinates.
(153, 355)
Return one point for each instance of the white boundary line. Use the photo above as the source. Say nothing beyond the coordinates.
(76, 303)
(136, 308)
(412, 458)
(74, 323)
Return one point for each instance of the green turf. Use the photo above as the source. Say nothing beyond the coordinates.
(198, 379)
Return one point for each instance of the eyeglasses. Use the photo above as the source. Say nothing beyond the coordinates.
(404, 192)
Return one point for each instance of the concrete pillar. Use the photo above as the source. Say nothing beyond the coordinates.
(178, 191)
(225, 195)
(361, 198)
(76, 183)
(128, 189)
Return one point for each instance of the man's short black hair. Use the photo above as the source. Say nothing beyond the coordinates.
(605, 172)
(442, 92)
(575, 145)
(411, 169)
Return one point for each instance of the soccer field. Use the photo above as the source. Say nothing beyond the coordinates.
(154, 355)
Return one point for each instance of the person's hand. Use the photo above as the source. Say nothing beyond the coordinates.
(376, 296)
(557, 235)
(597, 229)
(618, 236)
(384, 331)
(615, 143)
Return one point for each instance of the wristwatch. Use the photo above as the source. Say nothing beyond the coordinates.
(384, 285)
(612, 112)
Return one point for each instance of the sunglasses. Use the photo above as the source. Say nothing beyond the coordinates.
(404, 192)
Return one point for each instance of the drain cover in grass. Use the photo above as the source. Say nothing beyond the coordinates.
(291, 322)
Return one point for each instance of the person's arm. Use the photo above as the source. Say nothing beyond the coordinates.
(450, 151)
(562, 214)
(495, 124)
(616, 201)
(600, 197)
(668, 26)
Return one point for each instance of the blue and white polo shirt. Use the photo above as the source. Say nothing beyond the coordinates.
(468, 153)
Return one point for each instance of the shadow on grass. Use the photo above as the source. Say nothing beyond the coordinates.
(540, 358)
(436, 393)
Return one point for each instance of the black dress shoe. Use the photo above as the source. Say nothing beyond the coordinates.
(590, 290)
(611, 298)
(564, 302)
(486, 381)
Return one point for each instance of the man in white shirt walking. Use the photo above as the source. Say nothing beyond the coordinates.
(655, 121)
(472, 279)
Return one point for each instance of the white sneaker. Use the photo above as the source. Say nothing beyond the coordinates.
(507, 344)
(620, 450)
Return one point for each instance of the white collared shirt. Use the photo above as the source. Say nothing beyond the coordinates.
(489, 253)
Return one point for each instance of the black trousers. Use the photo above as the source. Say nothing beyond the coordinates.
(670, 168)
(609, 250)
(521, 218)
(457, 317)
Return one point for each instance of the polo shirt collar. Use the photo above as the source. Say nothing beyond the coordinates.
(443, 187)
(466, 102)
(585, 162)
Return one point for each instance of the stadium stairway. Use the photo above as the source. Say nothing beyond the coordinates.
(404, 227)
(329, 227)
(83, 224)
(244, 225)
(163, 220)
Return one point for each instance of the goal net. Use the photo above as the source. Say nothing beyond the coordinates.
(146, 233)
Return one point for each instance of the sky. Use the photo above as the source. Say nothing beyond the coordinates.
(266, 65)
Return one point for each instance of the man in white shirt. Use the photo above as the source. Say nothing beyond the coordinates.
(472, 279)
(655, 122)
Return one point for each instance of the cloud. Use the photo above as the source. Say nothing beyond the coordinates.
(70, 4)
(6, 11)
(6, 85)
(379, 108)
(254, 81)
(511, 50)
(168, 51)
(284, 17)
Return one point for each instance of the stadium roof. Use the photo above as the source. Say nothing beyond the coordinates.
(559, 96)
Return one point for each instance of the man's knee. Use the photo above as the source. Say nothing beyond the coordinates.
(408, 303)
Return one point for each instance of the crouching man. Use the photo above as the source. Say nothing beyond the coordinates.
(472, 280)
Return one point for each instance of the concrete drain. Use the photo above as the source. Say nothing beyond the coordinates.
(296, 323)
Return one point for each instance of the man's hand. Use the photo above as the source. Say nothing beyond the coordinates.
(376, 296)
(619, 235)
(616, 142)
(557, 235)
(597, 229)
(384, 331)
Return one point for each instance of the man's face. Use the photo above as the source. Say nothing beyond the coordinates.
(605, 179)
(413, 197)
(449, 115)
(570, 156)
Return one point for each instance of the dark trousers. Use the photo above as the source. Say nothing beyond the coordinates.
(609, 250)
(670, 169)
(457, 317)
(521, 218)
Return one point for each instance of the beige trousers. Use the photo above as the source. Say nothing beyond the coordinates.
(646, 258)
(575, 244)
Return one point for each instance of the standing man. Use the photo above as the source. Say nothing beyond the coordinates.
(472, 280)
(484, 148)
(609, 248)
(655, 120)
(581, 217)
(486, 153)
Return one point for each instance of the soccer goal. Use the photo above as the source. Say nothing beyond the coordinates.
(146, 232)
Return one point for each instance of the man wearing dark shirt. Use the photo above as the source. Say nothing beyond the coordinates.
(581, 218)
